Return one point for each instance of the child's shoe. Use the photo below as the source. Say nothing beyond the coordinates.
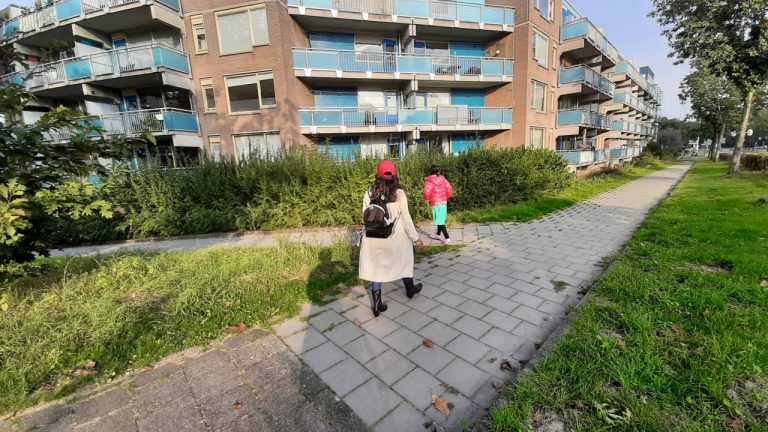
(435, 237)
(448, 241)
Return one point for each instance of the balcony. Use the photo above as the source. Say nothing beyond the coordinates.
(451, 118)
(420, 12)
(101, 66)
(586, 76)
(583, 29)
(635, 103)
(72, 10)
(309, 62)
(583, 118)
(162, 121)
(579, 157)
(632, 73)
(632, 127)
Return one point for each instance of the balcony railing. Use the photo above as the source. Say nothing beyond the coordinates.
(438, 116)
(634, 102)
(585, 75)
(578, 157)
(108, 64)
(583, 28)
(632, 127)
(442, 10)
(652, 89)
(582, 117)
(162, 121)
(63, 10)
(355, 61)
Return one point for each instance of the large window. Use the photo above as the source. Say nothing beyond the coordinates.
(262, 144)
(538, 95)
(251, 92)
(540, 48)
(241, 30)
(198, 33)
(209, 99)
(537, 137)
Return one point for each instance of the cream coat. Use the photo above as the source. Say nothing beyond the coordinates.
(390, 259)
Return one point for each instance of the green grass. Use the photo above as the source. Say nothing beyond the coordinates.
(675, 337)
(129, 310)
(579, 190)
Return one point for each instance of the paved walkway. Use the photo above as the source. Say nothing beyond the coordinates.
(494, 300)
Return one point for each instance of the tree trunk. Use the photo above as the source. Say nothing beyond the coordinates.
(711, 152)
(719, 145)
(733, 167)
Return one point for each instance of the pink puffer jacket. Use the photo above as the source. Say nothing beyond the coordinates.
(437, 190)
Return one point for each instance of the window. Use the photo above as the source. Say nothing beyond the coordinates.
(209, 100)
(260, 144)
(540, 48)
(538, 95)
(251, 92)
(545, 7)
(241, 30)
(537, 137)
(198, 32)
(214, 147)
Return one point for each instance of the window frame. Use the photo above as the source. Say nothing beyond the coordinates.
(534, 84)
(264, 134)
(535, 46)
(207, 84)
(531, 130)
(258, 87)
(247, 11)
(198, 25)
(215, 140)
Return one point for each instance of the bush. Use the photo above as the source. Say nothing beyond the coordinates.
(647, 160)
(724, 157)
(301, 188)
(755, 162)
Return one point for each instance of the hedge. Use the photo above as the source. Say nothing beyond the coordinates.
(299, 189)
(750, 161)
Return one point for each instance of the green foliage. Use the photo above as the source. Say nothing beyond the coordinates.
(13, 218)
(302, 188)
(675, 336)
(755, 162)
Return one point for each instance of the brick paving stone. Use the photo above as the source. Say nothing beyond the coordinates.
(474, 309)
(476, 282)
(528, 300)
(501, 304)
(471, 326)
(344, 333)
(304, 341)
(450, 299)
(324, 356)
(326, 319)
(430, 359)
(390, 366)
(477, 295)
(372, 400)
(445, 314)
(438, 333)
(417, 387)
(404, 418)
(463, 376)
(420, 303)
(365, 348)
(414, 320)
(380, 326)
(502, 341)
(345, 376)
(403, 340)
(528, 314)
(467, 348)
(455, 287)
(501, 320)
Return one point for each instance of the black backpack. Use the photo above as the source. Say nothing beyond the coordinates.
(376, 219)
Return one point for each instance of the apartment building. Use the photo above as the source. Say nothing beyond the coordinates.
(346, 77)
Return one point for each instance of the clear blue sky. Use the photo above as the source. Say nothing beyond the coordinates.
(626, 24)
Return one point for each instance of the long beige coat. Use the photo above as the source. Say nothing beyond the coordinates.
(390, 259)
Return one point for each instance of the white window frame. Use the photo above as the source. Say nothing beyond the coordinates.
(534, 85)
(214, 147)
(537, 36)
(198, 26)
(258, 84)
(247, 11)
(206, 84)
(264, 134)
(530, 138)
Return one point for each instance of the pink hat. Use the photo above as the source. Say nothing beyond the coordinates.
(386, 169)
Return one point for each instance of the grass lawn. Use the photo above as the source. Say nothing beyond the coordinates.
(675, 336)
(579, 190)
(127, 310)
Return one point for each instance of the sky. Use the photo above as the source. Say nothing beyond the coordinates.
(637, 37)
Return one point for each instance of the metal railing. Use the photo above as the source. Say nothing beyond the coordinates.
(62, 10)
(632, 127)
(436, 9)
(635, 102)
(374, 116)
(578, 157)
(588, 76)
(583, 117)
(356, 61)
(631, 71)
(583, 28)
(107, 64)
(161, 121)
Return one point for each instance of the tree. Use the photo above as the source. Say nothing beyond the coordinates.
(41, 182)
(729, 38)
(671, 140)
(714, 100)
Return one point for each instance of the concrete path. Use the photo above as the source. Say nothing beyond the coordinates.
(494, 300)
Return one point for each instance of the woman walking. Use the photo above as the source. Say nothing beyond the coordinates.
(438, 190)
(389, 256)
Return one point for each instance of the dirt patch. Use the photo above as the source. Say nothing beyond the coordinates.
(543, 420)
(751, 396)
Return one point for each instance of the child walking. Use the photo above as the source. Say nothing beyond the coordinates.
(438, 190)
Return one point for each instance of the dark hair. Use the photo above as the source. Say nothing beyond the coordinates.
(435, 169)
(386, 188)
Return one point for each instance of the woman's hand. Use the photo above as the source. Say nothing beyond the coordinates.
(420, 244)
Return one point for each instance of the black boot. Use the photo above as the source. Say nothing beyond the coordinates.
(411, 289)
(378, 305)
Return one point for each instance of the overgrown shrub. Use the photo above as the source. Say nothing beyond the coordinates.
(755, 162)
(301, 188)
(646, 160)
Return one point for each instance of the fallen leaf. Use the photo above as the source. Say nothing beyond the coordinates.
(497, 385)
(736, 425)
(428, 343)
(357, 322)
(90, 364)
(621, 342)
(764, 283)
(147, 368)
(238, 406)
(505, 365)
(49, 387)
(628, 413)
(537, 416)
(237, 302)
(237, 329)
(441, 405)
(430, 427)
